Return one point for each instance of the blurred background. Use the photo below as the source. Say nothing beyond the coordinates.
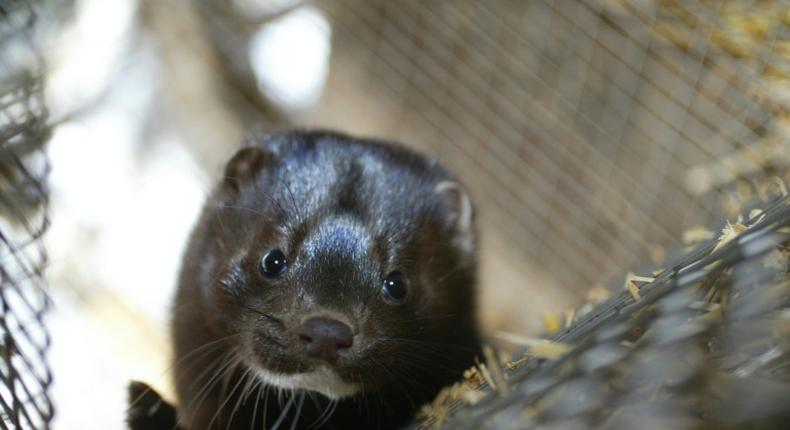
(595, 137)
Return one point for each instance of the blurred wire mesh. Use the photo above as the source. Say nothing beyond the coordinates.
(702, 345)
(24, 373)
(590, 133)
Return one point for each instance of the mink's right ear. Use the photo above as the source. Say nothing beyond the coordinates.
(245, 166)
(461, 214)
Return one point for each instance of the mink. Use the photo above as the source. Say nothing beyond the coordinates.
(328, 283)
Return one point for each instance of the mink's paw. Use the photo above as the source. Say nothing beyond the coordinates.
(147, 410)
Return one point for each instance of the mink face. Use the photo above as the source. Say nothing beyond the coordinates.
(328, 283)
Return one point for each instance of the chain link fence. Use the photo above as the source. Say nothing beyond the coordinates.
(24, 374)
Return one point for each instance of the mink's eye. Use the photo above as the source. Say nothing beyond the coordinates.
(395, 288)
(273, 264)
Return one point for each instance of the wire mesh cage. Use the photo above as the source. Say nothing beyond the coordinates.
(700, 345)
(597, 128)
(24, 374)
(590, 133)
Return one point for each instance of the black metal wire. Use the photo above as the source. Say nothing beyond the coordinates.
(25, 377)
(581, 122)
(581, 119)
(665, 309)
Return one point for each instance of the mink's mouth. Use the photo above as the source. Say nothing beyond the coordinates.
(279, 356)
(276, 364)
(317, 352)
(320, 379)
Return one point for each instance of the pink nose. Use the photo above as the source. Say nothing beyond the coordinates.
(325, 338)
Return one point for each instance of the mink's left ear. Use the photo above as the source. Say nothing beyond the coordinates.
(245, 166)
(461, 214)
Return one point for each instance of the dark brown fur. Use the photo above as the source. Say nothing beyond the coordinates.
(346, 212)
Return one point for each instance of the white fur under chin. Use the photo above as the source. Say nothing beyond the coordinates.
(322, 380)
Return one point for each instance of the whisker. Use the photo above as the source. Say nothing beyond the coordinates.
(263, 314)
(229, 364)
(200, 351)
(394, 379)
(225, 402)
(283, 213)
(293, 201)
(325, 414)
(220, 362)
(224, 358)
(431, 317)
(258, 389)
(298, 411)
(250, 376)
(283, 413)
(266, 390)
(425, 343)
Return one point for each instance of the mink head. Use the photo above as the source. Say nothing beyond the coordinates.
(335, 264)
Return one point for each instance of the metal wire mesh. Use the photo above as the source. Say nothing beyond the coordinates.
(24, 374)
(593, 128)
(700, 346)
(590, 133)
